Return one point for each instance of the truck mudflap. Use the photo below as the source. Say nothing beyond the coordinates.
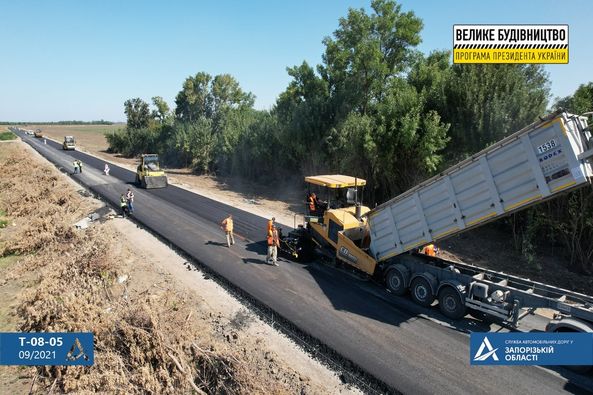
(152, 182)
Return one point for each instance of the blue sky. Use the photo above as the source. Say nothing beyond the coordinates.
(64, 60)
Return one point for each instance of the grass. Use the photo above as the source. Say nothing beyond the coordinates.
(3, 222)
(5, 136)
(8, 260)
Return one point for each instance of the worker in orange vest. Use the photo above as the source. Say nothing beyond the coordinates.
(270, 225)
(313, 204)
(273, 244)
(227, 226)
(429, 250)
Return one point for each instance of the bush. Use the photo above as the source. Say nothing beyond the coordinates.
(132, 142)
(5, 136)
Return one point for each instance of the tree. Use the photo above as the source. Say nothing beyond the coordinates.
(303, 115)
(486, 102)
(137, 113)
(580, 102)
(162, 109)
(364, 54)
(366, 51)
(396, 149)
(227, 94)
(194, 99)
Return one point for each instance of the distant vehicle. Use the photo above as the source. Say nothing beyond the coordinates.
(38, 133)
(149, 173)
(69, 143)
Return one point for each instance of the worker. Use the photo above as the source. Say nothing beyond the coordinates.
(106, 169)
(273, 244)
(123, 203)
(75, 165)
(271, 223)
(313, 204)
(79, 165)
(227, 226)
(130, 200)
(429, 250)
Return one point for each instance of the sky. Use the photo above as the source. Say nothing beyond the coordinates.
(80, 60)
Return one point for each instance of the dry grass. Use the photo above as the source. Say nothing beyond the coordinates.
(144, 343)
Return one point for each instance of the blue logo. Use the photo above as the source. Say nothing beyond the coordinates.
(46, 348)
(514, 348)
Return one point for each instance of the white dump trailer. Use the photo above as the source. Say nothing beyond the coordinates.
(536, 163)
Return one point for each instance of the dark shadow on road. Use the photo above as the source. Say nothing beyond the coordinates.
(215, 243)
(258, 247)
(255, 261)
(369, 299)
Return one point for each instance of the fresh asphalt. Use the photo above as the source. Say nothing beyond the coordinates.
(411, 349)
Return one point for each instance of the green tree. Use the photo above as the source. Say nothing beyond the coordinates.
(486, 102)
(194, 99)
(137, 113)
(396, 149)
(162, 111)
(194, 143)
(366, 51)
(228, 95)
(361, 59)
(580, 102)
(304, 117)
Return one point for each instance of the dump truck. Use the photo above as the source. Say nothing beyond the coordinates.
(541, 161)
(149, 173)
(69, 143)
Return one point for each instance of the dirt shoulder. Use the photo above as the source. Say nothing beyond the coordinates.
(160, 326)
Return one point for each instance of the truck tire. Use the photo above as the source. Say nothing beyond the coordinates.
(451, 303)
(395, 282)
(137, 180)
(421, 292)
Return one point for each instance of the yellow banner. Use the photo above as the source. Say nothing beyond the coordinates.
(543, 56)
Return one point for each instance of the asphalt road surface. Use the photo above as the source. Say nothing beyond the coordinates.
(412, 349)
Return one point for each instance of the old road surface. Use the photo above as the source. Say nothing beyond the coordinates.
(411, 349)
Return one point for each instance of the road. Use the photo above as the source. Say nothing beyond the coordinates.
(409, 348)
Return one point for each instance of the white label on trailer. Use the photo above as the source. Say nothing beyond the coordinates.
(545, 147)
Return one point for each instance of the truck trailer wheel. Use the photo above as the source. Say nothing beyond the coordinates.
(451, 304)
(421, 292)
(395, 282)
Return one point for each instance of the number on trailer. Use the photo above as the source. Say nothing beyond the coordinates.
(548, 145)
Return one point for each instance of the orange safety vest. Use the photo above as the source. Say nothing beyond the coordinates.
(228, 225)
(273, 238)
(429, 250)
(311, 203)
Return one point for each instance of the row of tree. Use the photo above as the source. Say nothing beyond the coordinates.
(100, 122)
(375, 108)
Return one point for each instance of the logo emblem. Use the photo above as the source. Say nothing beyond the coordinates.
(346, 254)
(490, 353)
